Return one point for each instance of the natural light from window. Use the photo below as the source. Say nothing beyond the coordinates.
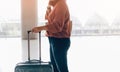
(87, 53)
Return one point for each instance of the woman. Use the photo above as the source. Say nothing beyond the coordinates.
(58, 31)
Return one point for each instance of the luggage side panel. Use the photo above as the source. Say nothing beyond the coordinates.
(34, 68)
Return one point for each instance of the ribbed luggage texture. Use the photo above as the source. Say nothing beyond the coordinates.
(34, 67)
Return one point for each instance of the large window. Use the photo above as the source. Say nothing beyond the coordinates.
(95, 17)
(10, 18)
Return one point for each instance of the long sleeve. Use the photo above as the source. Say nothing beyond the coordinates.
(58, 21)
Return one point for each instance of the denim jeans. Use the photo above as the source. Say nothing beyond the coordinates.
(58, 53)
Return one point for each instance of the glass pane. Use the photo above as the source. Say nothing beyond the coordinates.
(10, 18)
(95, 17)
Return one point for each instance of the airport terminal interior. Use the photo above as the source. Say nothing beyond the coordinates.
(95, 37)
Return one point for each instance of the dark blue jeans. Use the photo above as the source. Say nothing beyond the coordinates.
(58, 53)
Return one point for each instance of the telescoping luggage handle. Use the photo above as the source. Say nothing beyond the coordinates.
(29, 45)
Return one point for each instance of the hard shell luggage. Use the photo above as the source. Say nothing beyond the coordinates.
(34, 65)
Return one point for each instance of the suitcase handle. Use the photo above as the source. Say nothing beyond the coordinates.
(29, 31)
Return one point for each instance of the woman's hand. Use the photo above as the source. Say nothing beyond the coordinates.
(38, 29)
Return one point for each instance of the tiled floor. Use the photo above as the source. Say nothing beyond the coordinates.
(86, 54)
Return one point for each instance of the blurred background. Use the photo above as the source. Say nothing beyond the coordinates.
(95, 34)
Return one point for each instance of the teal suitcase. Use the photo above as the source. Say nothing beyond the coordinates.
(34, 65)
